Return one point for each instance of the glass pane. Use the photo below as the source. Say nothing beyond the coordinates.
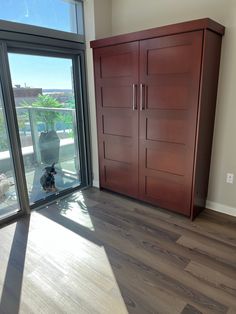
(45, 106)
(8, 196)
(61, 15)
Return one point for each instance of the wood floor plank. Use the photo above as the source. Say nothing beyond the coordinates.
(149, 242)
(98, 252)
(161, 300)
(165, 268)
(162, 239)
(210, 247)
(159, 281)
(212, 277)
(220, 231)
(157, 231)
(174, 221)
(136, 303)
(189, 309)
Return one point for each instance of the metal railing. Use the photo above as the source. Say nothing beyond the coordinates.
(28, 122)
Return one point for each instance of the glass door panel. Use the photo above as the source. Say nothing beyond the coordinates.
(45, 107)
(8, 194)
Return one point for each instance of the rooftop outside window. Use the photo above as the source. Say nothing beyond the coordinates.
(62, 15)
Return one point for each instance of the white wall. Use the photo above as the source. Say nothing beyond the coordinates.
(134, 15)
(222, 196)
(97, 15)
(103, 23)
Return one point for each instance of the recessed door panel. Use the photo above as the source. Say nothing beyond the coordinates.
(167, 96)
(117, 123)
(165, 191)
(123, 96)
(116, 65)
(167, 126)
(118, 177)
(118, 149)
(166, 58)
(166, 157)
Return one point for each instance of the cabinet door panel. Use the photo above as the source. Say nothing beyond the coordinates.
(118, 123)
(166, 157)
(116, 72)
(171, 96)
(167, 126)
(116, 65)
(167, 190)
(118, 149)
(169, 59)
(170, 72)
(123, 99)
(118, 177)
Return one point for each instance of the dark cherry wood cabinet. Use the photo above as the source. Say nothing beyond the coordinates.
(156, 94)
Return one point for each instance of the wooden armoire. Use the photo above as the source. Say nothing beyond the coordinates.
(155, 95)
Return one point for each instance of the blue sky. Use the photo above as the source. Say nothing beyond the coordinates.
(35, 71)
(41, 72)
(46, 13)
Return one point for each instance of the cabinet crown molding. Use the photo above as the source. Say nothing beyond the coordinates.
(189, 26)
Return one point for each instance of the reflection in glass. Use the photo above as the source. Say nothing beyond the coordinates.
(45, 106)
(8, 196)
(60, 15)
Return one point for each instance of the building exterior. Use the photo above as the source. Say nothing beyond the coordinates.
(25, 94)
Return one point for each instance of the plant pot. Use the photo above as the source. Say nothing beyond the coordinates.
(49, 145)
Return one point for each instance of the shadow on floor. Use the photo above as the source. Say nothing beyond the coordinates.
(54, 214)
(12, 286)
(58, 213)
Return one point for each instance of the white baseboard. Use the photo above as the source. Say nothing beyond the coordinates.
(221, 208)
(96, 183)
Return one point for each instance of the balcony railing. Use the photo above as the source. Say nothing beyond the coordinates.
(30, 128)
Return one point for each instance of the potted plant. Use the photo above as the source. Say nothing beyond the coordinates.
(49, 142)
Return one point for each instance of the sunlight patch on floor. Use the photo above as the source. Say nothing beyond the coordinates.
(5, 250)
(63, 272)
(75, 208)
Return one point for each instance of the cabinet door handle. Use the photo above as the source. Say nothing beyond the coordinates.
(134, 97)
(142, 107)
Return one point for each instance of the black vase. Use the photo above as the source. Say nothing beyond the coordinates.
(49, 145)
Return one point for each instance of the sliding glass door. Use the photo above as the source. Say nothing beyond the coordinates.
(45, 106)
(8, 190)
(44, 142)
(44, 133)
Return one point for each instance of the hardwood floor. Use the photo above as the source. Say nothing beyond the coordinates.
(97, 252)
